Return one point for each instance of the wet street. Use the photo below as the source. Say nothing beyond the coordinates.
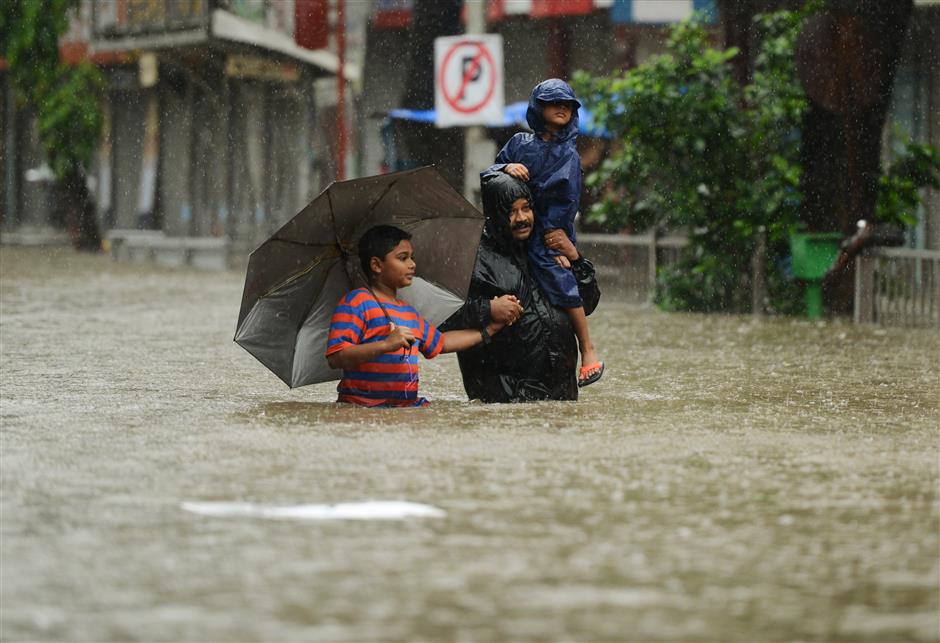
(726, 480)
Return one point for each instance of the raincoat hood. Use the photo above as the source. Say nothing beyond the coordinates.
(549, 91)
(499, 192)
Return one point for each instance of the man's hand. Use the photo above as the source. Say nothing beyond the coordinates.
(505, 309)
(399, 337)
(562, 261)
(517, 171)
(558, 241)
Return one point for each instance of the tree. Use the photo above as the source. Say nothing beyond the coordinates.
(740, 30)
(699, 152)
(914, 166)
(66, 101)
(847, 57)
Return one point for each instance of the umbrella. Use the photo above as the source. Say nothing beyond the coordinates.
(296, 277)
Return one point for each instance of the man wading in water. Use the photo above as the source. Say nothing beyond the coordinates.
(536, 358)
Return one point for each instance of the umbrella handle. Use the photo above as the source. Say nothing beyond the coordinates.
(405, 350)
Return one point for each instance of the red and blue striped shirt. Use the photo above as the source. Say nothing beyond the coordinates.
(391, 379)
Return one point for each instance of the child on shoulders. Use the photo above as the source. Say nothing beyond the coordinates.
(548, 162)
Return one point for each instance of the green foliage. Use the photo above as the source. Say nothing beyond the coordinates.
(913, 167)
(29, 31)
(698, 152)
(70, 119)
(66, 98)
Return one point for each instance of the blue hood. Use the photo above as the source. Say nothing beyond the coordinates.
(548, 91)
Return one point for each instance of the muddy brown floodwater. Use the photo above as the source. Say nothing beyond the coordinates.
(726, 480)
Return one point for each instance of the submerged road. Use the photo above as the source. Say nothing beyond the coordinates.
(725, 481)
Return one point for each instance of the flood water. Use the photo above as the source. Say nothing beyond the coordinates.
(726, 480)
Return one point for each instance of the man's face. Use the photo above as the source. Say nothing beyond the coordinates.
(521, 219)
(556, 115)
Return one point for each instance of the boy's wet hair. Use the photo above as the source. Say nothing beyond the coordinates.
(378, 241)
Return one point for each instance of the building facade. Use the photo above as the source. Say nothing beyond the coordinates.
(221, 116)
(216, 121)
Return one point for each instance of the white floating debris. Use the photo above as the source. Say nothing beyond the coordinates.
(369, 510)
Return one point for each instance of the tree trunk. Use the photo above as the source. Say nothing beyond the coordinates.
(78, 212)
(736, 21)
(425, 144)
(737, 24)
(841, 151)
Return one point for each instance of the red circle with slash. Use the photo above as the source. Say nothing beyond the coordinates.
(482, 56)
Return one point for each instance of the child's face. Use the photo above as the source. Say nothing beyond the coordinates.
(521, 219)
(397, 268)
(556, 115)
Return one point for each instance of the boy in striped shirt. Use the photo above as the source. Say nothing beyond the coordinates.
(375, 337)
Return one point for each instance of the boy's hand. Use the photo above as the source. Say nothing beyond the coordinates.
(517, 171)
(505, 309)
(562, 261)
(399, 337)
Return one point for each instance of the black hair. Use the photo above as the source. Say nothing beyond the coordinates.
(378, 241)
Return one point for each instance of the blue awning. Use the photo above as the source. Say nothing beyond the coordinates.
(513, 116)
(659, 11)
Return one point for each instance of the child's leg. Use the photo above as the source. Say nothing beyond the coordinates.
(580, 324)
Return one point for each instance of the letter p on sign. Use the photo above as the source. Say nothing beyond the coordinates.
(468, 80)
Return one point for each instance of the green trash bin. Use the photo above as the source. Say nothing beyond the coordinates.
(813, 255)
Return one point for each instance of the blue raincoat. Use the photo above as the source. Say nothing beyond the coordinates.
(555, 181)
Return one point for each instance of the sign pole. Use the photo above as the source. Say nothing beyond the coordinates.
(341, 90)
(479, 151)
(11, 216)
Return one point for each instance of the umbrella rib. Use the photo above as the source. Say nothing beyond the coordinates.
(297, 275)
(297, 243)
(379, 200)
(329, 197)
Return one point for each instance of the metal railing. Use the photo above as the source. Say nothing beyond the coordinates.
(628, 263)
(898, 287)
(153, 246)
(893, 286)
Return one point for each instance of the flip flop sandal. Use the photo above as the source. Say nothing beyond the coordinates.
(584, 379)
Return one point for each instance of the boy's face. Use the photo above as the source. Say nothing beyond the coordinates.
(557, 115)
(397, 268)
(521, 219)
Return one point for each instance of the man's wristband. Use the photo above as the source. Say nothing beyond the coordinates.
(486, 336)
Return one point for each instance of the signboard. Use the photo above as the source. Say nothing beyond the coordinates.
(468, 80)
(134, 17)
(259, 68)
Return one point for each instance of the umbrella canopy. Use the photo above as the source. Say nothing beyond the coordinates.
(296, 277)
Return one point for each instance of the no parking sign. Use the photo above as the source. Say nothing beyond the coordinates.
(468, 80)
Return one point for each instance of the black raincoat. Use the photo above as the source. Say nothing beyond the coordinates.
(536, 358)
